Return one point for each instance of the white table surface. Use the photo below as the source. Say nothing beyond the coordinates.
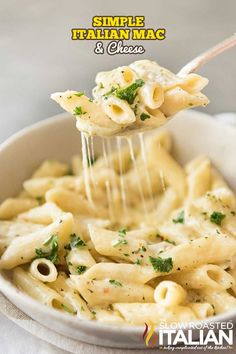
(15, 340)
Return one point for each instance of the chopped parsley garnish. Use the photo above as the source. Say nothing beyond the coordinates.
(180, 218)
(135, 109)
(101, 86)
(161, 264)
(79, 94)
(232, 212)
(118, 242)
(80, 269)
(115, 282)
(144, 116)
(129, 93)
(52, 253)
(110, 92)
(217, 217)
(122, 232)
(121, 240)
(138, 261)
(78, 111)
(75, 242)
(67, 309)
(40, 199)
(169, 241)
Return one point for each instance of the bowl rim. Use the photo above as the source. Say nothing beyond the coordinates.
(33, 127)
(9, 287)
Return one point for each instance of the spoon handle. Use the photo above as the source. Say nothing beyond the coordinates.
(205, 57)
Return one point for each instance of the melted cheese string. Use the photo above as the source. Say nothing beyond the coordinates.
(133, 159)
(86, 170)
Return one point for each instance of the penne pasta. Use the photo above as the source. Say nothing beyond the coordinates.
(132, 236)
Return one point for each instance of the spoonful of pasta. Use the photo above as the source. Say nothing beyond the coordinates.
(139, 97)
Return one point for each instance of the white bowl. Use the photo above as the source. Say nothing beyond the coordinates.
(57, 138)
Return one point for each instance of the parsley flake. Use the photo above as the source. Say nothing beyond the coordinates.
(144, 116)
(138, 261)
(40, 199)
(109, 93)
(180, 218)
(129, 93)
(115, 282)
(75, 242)
(118, 242)
(79, 94)
(171, 242)
(80, 269)
(67, 309)
(78, 111)
(122, 232)
(52, 253)
(217, 217)
(163, 265)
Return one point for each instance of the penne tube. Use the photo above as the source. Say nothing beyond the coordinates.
(169, 294)
(69, 201)
(202, 310)
(152, 95)
(51, 168)
(62, 285)
(11, 207)
(126, 272)
(138, 314)
(44, 270)
(221, 300)
(36, 289)
(23, 249)
(177, 99)
(44, 214)
(209, 275)
(37, 187)
(118, 110)
(108, 291)
(199, 181)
